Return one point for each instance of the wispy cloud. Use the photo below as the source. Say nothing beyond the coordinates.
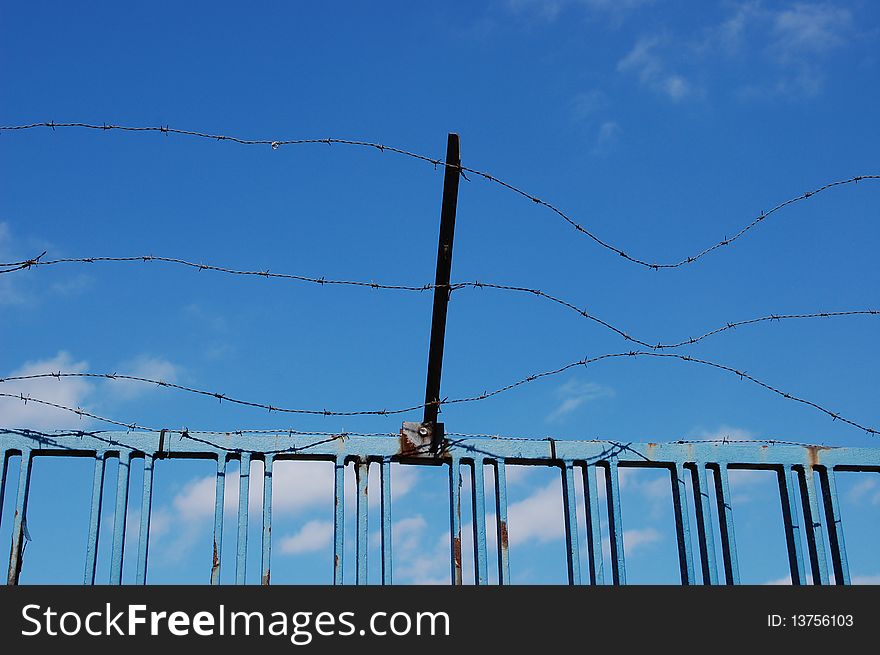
(10, 294)
(537, 518)
(855, 579)
(808, 29)
(143, 366)
(638, 538)
(19, 288)
(587, 103)
(550, 10)
(69, 392)
(866, 490)
(573, 394)
(298, 488)
(866, 579)
(312, 537)
(723, 432)
(418, 558)
(645, 62)
(790, 42)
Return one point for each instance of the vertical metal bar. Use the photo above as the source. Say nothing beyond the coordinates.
(94, 520)
(361, 472)
(119, 517)
(594, 527)
(338, 519)
(4, 464)
(20, 518)
(835, 527)
(441, 279)
(569, 506)
(144, 530)
(455, 518)
(682, 524)
(705, 529)
(813, 523)
(219, 498)
(612, 493)
(501, 522)
(244, 484)
(385, 476)
(478, 505)
(792, 526)
(266, 559)
(725, 521)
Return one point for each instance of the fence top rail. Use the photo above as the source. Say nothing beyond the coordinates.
(344, 447)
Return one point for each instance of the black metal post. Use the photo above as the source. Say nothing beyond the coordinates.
(441, 290)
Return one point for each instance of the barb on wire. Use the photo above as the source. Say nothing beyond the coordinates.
(275, 144)
(446, 401)
(537, 293)
(22, 265)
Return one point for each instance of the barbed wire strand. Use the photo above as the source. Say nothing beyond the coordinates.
(184, 434)
(333, 436)
(468, 399)
(275, 144)
(721, 440)
(322, 281)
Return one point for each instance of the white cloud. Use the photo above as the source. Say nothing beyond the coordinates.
(143, 366)
(587, 103)
(784, 580)
(19, 287)
(518, 474)
(10, 294)
(650, 68)
(609, 132)
(296, 488)
(417, 559)
(723, 432)
(636, 539)
(403, 480)
(866, 490)
(196, 500)
(72, 285)
(550, 10)
(810, 29)
(538, 517)
(69, 392)
(855, 579)
(731, 33)
(792, 42)
(312, 537)
(573, 394)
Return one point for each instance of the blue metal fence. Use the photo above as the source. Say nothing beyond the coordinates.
(705, 463)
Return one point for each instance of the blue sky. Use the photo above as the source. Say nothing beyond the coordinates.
(662, 127)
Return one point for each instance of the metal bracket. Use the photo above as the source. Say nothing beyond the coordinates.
(420, 439)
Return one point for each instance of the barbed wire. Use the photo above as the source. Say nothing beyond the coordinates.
(654, 265)
(327, 437)
(722, 440)
(187, 434)
(9, 267)
(275, 144)
(446, 401)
